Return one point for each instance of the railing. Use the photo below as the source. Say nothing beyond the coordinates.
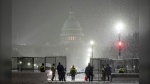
(33, 63)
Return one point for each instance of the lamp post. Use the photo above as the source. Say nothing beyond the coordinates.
(89, 55)
(119, 35)
(92, 42)
(119, 27)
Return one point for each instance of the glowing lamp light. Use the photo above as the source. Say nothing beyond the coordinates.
(29, 64)
(120, 43)
(34, 64)
(119, 27)
(92, 42)
(20, 62)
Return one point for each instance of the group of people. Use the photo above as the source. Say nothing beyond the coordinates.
(60, 69)
(106, 71)
(89, 73)
(61, 72)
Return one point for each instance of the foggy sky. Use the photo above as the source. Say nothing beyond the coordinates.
(41, 21)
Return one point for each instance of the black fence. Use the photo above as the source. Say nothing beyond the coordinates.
(130, 66)
(97, 63)
(33, 63)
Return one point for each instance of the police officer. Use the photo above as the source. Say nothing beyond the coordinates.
(53, 69)
(121, 70)
(103, 73)
(73, 72)
(42, 68)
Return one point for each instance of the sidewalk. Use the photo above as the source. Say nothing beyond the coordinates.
(95, 82)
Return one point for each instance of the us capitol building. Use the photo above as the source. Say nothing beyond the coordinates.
(71, 45)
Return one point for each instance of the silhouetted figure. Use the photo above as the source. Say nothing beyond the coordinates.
(136, 70)
(89, 72)
(103, 73)
(53, 69)
(86, 73)
(73, 72)
(42, 68)
(64, 75)
(60, 70)
(108, 71)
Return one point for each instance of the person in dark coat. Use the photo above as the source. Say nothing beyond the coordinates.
(64, 75)
(108, 71)
(89, 72)
(86, 73)
(60, 70)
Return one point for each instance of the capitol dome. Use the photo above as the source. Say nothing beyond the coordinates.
(71, 22)
(71, 30)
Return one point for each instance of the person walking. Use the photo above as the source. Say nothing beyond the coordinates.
(73, 72)
(53, 69)
(60, 70)
(90, 72)
(86, 73)
(42, 68)
(108, 71)
(103, 73)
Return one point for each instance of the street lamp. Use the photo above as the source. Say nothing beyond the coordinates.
(92, 42)
(119, 27)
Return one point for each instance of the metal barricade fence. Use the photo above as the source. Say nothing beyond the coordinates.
(33, 63)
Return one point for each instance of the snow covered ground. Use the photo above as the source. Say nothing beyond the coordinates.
(80, 80)
(95, 82)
